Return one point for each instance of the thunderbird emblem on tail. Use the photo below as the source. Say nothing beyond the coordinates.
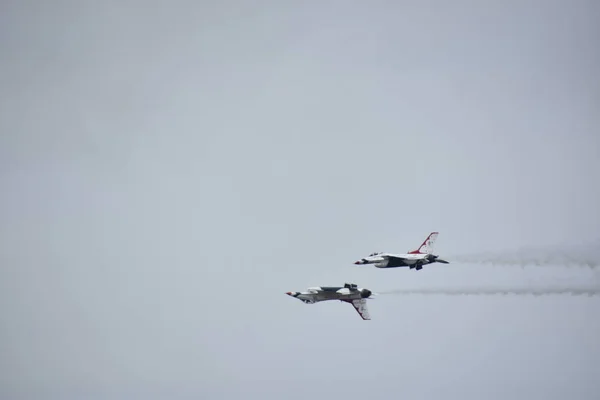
(413, 259)
(349, 293)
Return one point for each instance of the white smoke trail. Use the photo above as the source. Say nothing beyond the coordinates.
(584, 256)
(491, 291)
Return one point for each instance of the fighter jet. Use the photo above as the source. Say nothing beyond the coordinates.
(413, 259)
(349, 293)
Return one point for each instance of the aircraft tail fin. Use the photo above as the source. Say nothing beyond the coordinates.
(360, 305)
(427, 246)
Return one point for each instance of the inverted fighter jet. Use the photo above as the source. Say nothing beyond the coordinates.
(413, 259)
(349, 293)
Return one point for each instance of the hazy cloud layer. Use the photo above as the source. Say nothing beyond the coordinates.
(170, 169)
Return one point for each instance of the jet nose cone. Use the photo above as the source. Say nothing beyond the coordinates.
(288, 293)
(358, 262)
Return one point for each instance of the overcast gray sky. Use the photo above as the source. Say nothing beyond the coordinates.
(170, 169)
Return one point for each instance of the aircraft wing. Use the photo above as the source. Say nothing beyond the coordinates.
(360, 305)
(397, 258)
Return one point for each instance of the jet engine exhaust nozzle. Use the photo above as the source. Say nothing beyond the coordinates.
(365, 293)
(431, 258)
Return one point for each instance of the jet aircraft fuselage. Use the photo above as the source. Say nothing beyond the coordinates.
(413, 259)
(349, 293)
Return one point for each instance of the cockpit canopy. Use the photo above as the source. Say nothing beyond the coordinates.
(350, 286)
(374, 254)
